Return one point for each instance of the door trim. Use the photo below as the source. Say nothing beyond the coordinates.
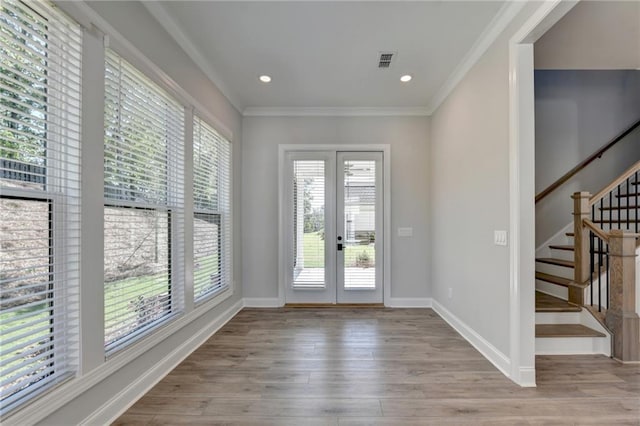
(386, 192)
(360, 295)
(327, 293)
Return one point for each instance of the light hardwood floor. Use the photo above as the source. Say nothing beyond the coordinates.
(340, 366)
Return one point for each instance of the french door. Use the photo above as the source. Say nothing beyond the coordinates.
(333, 227)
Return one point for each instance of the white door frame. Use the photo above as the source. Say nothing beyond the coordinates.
(344, 295)
(311, 295)
(522, 188)
(386, 191)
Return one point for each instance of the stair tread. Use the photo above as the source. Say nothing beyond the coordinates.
(562, 247)
(548, 303)
(566, 330)
(558, 262)
(568, 247)
(554, 279)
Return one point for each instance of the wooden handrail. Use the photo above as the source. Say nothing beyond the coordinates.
(586, 162)
(601, 233)
(607, 189)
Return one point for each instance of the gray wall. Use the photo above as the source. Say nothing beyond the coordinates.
(133, 21)
(596, 35)
(469, 182)
(408, 137)
(577, 112)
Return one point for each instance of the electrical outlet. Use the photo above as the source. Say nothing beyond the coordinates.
(450, 293)
(500, 238)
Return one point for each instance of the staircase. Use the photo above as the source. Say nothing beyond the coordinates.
(571, 305)
(564, 328)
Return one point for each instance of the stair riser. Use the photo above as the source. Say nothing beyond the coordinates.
(552, 289)
(557, 317)
(559, 271)
(562, 254)
(573, 345)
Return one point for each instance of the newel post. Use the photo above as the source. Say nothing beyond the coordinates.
(622, 318)
(581, 245)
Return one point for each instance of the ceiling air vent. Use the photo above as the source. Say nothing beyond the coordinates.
(384, 60)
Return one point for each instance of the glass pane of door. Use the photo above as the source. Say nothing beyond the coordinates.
(309, 224)
(359, 224)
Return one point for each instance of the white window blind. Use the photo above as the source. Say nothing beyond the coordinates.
(309, 224)
(212, 211)
(40, 57)
(143, 189)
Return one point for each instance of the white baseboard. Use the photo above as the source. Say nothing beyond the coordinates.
(527, 377)
(117, 405)
(262, 302)
(409, 302)
(490, 352)
(393, 302)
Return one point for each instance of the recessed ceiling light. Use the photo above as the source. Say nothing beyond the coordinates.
(265, 78)
(405, 78)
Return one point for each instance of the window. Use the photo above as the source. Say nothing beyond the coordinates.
(40, 51)
(143, 212)
(212, 211)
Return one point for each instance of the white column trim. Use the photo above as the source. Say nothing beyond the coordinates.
(92, 174)
(521, 189)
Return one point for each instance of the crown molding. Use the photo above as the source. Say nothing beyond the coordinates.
(335, 112)
(505, 15)
(157, 10)
(492, 31)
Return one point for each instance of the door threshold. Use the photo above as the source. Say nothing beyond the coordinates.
(334, 305)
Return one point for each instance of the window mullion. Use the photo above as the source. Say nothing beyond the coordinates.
(92, 266)
(188, 288)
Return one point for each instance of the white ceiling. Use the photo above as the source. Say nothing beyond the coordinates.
(324, 54)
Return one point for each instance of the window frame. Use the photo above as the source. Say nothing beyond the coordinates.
(94, 363)
(61, 156)
(225, 226)
(210, 292)
(173, 206)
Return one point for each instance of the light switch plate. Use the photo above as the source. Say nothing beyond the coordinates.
(405, 232)
(500, 238)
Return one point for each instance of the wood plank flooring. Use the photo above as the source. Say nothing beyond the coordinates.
(566, 330)
(548, 303)
(338, 366)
